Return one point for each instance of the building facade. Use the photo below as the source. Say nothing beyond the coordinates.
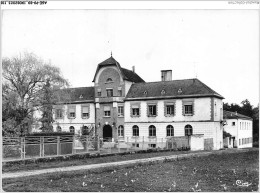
(121, 106)
(240, 127)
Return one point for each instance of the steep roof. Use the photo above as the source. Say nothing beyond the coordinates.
(126, 74)
(234, 115)
(79, 94)
(170, 89)
(132, 76)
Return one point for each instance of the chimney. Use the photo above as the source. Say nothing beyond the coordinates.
(166, 75)
(133, 68)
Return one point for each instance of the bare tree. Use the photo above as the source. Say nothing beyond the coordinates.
(24, 80)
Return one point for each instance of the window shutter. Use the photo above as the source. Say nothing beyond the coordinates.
(106, 108)
(135, 106)
(68, 114)
(71, 109)
(62, 112)
(84, 109)
(193, 108)
(56, 113)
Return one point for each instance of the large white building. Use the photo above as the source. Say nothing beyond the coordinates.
(122, 106)
(241, 129)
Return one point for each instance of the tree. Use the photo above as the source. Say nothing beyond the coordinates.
(23, 85)
(47, 105)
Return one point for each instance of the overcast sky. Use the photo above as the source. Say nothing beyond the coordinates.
(219, 47)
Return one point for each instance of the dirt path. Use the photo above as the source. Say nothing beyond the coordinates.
(120, 163)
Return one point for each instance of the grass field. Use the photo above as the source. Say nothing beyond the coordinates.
(217, 172)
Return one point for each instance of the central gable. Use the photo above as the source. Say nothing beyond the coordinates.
(124, 73)
(108, 75)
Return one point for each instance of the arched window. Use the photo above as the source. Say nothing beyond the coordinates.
(121, 131)
(188, 130)
(152, 131)
(84, 130)
(135, 130)
(58, 128)
(72, 129)
(169, 130)
(109, 80)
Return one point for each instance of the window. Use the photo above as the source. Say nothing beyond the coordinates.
(107, 111)
(169, 110)
(109, 80)
(119, 91)
(135, 110)
(188, 130)
(152, 145)
(135, 144)
(152, 131)
(135, 130)
(59, 114)
(239, 141)
(72, 129)
(72, 112)
(233, 123)
(151, 110)
(58, 129)
(169, 130)
(85, 112)
(109, 92)
(120, 111)
(99, 93)
(121, 131)
(84, 130)
(188, 109)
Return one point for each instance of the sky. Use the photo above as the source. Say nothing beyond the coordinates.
(219, 47)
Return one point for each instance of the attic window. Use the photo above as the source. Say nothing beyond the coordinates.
(81, 96)
(109, 80)
(179, 91)
(163, 92)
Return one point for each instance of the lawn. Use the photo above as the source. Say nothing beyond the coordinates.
(216, 172)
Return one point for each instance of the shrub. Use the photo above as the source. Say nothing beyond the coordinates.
(38, 134)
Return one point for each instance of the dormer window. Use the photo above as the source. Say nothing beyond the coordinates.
(81, 96)
(179, 91)
(145, 92)
(163, 92)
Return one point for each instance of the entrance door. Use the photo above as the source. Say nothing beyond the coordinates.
(107, 133)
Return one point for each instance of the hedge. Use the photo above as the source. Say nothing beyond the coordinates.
(39, 134)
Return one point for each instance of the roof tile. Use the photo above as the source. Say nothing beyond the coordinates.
(175, 88)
